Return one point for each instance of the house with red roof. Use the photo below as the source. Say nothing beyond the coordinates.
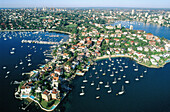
(25, 90)
(55, 94)
(117, 51)
(46, 95)
(107, 41)
(152, 42)
(149, 36)
(58, 71)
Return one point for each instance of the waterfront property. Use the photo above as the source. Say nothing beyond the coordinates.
(89, 41)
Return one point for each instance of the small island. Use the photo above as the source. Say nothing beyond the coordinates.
(91, 38)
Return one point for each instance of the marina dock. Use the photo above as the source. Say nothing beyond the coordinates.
(39, 42)
(24, 108)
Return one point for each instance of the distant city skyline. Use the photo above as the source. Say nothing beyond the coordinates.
(85, 3)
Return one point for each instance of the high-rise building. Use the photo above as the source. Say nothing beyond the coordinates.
(133, 11)
(131, 27)
(160, 17)
(110, 12)
(146, 14)
(119, 26)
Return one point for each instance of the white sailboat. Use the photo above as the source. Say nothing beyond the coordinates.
(82, 93)
(121, 69)
(4, 67)
(82, 87)
(21, 62)
(126, 66)
(137, 78)
(16, 66)
(98, 87)
(12, 52)
(119, 78)
(136, 69)
(114, 82)
(111, 75)
(124, 76)
(97, 97)
(8, 72)
(145, 71)
(92, 83)
(141, 75)
(90, 76)
(6, 76)
(29, 64)
(107, 85)
(97, 77)
(122, 91)
(104, 73)
(100, 70)
(85, 80)
(29, 60)
(100, 82)
(94, 68)
(127, 82)
(29, 54)
(110, 90)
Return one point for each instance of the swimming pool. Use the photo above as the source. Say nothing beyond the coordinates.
(24, 96)
(32, 97)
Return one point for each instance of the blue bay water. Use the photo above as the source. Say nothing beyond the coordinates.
(7, 101)
(150, 94)
(157, 30)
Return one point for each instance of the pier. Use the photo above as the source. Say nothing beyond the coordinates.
(38, 42)
(24, 108)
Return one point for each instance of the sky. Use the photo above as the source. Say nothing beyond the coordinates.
(85, 3)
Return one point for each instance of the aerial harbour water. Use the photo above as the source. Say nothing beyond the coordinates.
(17, 58)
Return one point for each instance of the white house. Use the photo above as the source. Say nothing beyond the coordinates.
(167, 47)
(139, 48)
(25, 90)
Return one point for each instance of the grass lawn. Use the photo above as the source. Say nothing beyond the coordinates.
(42, 17)
(48, 105)
(71, 25)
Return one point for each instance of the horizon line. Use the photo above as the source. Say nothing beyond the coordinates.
(89, 7)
